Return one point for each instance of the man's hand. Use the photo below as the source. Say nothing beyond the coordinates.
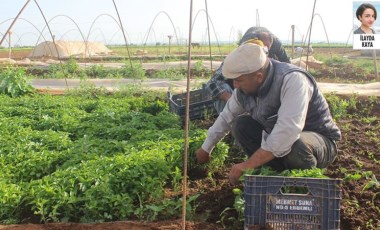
(202, 156)
(258, 158)
(236, 172)
(225, 96)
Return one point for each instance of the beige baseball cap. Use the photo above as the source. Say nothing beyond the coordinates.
(245, 59)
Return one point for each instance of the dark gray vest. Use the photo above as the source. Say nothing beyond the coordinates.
(264, 107)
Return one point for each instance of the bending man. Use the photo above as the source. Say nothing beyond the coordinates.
(276, 113)
(221, 88)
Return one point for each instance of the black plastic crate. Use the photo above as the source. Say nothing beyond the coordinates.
(292, 203)
(201, 104)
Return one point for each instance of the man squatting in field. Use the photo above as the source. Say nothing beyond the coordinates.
(276, 114)
(221, 88)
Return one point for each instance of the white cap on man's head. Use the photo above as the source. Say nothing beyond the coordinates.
(245, 59)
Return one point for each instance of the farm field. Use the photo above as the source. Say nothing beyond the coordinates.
(357, 163)
(78, 138)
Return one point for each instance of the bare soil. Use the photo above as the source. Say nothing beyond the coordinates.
(360, 207)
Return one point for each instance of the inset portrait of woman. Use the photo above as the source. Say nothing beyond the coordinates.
(366, 13)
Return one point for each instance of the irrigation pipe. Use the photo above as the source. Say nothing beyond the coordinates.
(185, 154)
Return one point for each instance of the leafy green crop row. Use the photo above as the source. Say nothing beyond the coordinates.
(73, 158)
(14, 83)
(72, 69)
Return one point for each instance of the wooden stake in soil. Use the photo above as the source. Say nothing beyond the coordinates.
(185, 154)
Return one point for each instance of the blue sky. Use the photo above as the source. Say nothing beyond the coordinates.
(97, 19)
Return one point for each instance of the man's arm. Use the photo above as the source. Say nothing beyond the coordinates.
(295, 96)
(259, 158)
(220, 128)
(296, 93)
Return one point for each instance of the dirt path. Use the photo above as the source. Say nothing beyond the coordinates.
(369, 89)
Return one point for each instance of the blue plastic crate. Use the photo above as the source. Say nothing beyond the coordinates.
(272, 202)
